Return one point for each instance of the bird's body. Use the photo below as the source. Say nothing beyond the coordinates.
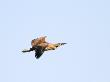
(39, 45)
(52, 46)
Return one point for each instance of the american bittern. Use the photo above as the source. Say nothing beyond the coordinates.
(39, 45)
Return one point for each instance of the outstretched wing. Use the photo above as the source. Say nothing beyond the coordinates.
(37, 41)
(38, 52)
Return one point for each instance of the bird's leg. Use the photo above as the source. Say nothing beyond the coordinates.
(25, 51)
(31, 49)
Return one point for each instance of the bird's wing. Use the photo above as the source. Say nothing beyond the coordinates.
(38, 52)
(37, 41)
(39, 49)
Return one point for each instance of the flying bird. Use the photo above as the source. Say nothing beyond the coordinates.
(40, 45)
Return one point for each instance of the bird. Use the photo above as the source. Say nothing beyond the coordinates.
(40, 45)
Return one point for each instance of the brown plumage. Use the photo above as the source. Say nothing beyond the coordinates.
(37, 41)
(39, 45)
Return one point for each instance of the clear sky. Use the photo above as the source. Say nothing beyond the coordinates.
(83, 24)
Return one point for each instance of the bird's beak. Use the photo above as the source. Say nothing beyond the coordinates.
(64, 43)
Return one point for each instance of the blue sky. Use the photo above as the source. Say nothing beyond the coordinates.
(83, 24)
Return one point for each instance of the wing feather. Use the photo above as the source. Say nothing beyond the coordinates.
(37, 41)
